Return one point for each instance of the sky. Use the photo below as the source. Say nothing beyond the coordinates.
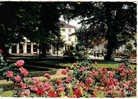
(72, 22)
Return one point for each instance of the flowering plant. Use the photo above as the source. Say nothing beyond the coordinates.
(83, 79)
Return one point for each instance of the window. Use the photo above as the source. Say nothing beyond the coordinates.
(14, 49)
(34, 48)
(28, 48)
(21, 48)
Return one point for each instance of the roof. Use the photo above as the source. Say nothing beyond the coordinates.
(66, 25)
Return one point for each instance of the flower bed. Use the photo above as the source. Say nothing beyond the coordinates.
(86, 80)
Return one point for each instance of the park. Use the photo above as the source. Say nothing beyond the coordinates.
(68, 49)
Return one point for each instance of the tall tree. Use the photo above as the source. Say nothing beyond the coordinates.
(114, 21)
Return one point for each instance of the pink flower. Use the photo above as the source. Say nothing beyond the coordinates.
(75, 64)
(47, 86)
(95, 73)
(63, 72)
(95, 63)
(9, 74)
(22, 94)
(47, 75)
(61, 89)
(17, 78)
(88, 67)
(67, 69)
(20, 63)
(23, 85)
(33, 88)
(1, 51)
(24, 71)
(103, 77)
(100, 70)
(90, 80)
(122, 74)
(35, 80)
(27, 92)
(81, 69)
(135, 79)
(105, 70)
(69, 78)
(81, 84)
(111, 74)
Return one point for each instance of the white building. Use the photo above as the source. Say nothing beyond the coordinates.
(28, 48)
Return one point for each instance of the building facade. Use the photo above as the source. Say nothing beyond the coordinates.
(29, 48)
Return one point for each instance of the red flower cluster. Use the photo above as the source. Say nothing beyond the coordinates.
(63, 72)
(77, 93)
(19, 63)
(52, 94)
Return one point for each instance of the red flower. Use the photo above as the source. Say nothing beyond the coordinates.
(24, 71)
(17, 78)
(107, 82)
(1, 51)
(47, 75)
(22, 85)
(81, 69)
(63, 72)
(78, 93)
(20, 63)
(122, 65)
(58, 82)
(9, 74)
(40, 91)
(90, 80)
(52, 94)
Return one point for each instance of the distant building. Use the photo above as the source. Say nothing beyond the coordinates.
(28, 48)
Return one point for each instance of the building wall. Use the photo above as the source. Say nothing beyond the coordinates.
(24, 49)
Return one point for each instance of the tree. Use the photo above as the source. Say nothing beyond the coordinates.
(114, 21)
(8, 29)
(39, 22)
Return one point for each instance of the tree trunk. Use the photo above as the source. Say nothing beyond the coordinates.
(43, 49)
(5, 49)
(108, 56)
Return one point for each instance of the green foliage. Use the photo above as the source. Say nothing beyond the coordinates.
(105, 20)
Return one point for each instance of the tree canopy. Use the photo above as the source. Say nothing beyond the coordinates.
(113, 21)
